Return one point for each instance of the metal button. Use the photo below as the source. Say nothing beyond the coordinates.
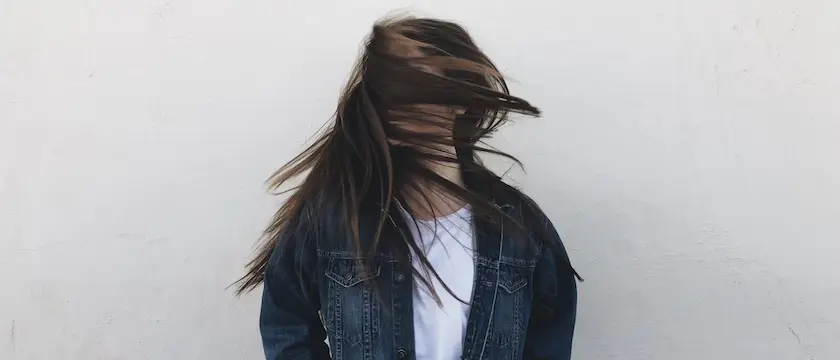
(400, 277)
(401, 354)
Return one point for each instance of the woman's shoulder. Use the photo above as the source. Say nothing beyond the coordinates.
(526, 207)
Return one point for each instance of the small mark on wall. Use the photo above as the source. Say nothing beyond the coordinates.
(13, 335)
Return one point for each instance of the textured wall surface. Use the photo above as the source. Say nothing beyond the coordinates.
(689, 153)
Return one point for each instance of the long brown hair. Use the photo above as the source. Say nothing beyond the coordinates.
(371, 155)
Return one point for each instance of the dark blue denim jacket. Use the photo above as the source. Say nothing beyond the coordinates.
(523, 303)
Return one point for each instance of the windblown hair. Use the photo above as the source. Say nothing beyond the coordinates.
(372, 155)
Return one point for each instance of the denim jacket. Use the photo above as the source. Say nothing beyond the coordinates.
(523, 303)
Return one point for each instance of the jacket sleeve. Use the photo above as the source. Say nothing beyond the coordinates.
(290, 323)
(552, 321)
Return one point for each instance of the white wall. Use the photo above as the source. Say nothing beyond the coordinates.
(689, 152)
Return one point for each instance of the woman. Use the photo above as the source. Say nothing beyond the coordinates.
(399, 243)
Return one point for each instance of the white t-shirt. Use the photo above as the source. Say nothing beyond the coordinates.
(448, 245)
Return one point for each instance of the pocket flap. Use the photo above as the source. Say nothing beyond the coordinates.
(349, 272)
(513, 278)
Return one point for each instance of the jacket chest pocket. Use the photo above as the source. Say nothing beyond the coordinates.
(513, 304)
(352, 312)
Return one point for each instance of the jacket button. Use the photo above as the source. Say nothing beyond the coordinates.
(400, 277)
(401, 354)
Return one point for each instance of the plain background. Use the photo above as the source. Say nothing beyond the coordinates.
(689, 152)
